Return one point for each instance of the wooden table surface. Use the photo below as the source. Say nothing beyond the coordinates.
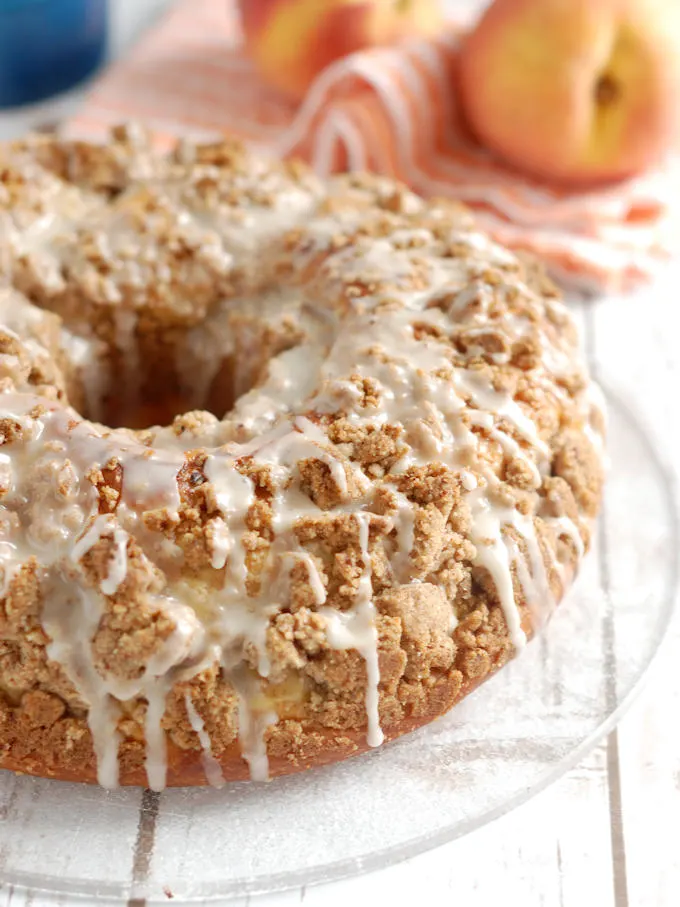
(607, 833)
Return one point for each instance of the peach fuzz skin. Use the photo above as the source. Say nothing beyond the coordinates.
(292, 41)
(578, 92)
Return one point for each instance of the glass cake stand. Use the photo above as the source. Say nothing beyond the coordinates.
(516, 734)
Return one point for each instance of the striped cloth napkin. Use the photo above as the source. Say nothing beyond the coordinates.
(394, 111)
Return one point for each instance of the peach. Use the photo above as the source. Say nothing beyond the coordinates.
(292, 41)
(575, 91)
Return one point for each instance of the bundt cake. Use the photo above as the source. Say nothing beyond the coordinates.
(398, 496)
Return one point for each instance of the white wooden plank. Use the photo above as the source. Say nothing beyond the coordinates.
(635, 342)
(650, 773)
(553, 852)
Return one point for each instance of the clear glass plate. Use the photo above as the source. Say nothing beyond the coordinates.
(506, 742)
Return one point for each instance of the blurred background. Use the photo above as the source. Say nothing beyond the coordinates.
(43, 75)
(50, 50)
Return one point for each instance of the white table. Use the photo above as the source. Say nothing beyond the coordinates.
(607, 833)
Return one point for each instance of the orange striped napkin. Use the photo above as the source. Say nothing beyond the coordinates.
(391, 110)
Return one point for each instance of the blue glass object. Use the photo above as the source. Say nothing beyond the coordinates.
(48, 46)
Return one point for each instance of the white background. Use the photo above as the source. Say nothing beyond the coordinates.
(607, 833)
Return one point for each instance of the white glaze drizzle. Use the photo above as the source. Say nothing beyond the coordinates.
(252, 725)
(211, 767)
(70, 618)
(531, 572)
(234, 493)
(102, 524)
(156, 759)
(356, 629)
(492, 554)
(221, 543)
(404, 522)
(315, 581)
(117, 564)
(566, 526)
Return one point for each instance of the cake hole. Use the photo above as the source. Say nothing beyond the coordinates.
(144, 414)
(607, 91)
(151, 394)
(135, 370)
